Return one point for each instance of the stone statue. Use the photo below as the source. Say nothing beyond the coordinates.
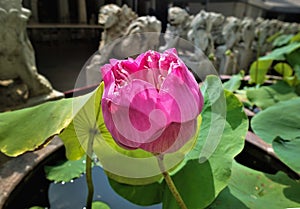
(124, 34)
(215, 28)
(148, 25)
(178, 27)
(198, 34)
(20, 83)
(245, 46)
(228, 54)
(206, 30)
(262, 33)
(114, 20)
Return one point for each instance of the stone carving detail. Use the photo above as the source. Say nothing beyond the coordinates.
(178, 27)
(122, 24)
(228, 53)
(245, 46)
(205, 30)
(114, 20)
(20, 83)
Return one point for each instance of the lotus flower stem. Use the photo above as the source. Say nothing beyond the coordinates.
(88, 167)
(170, 183)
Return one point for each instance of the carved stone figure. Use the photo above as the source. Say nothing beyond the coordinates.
(178, 27)
(148, 25)
(17, 60)
(198, 34)
(114, 21)
(215, 27)
(245, 47)
(124, 34)
(262, 33)
(228, 54)
(206, 30)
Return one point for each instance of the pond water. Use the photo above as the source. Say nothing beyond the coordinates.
(36, 190)
(73, 195)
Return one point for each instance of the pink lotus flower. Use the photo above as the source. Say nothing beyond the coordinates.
(151, 102)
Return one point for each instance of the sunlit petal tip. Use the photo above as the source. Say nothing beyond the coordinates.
(171, 51)
(113, 61)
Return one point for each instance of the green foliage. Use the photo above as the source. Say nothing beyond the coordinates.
(27, 129)
(288, 52)
(195, 183)
(281, 119)
(65, 171)
(282, 40)
(76, 135)
(279, 125)
(74, 150)
(258, 71)
(288, 151)
(283, 69)
(99, 205)
(281, 52)
(235, 82)
(293, 58)
(267, 96)
(253, 189)
(296, 38)
(297, 71)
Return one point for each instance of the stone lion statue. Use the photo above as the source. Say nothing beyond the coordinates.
(17, 60)
(228, 54)
(146, 30)
(114, 20)
(245, 46)
(125, 34)
(205, 30)
(179, 23)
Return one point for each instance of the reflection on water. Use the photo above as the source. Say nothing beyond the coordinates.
(73, 195)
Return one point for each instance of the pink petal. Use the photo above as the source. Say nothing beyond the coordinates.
(108, 109)
(173, 138)
(149, 60)
(134, 113)
(168, 57)
(106, 74)
(187, 96)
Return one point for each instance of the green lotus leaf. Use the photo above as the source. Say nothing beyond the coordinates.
(281, 119)
(66, 170)
(249, 188)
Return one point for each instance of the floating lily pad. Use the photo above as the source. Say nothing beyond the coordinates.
(65, 171)
(99, 205)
